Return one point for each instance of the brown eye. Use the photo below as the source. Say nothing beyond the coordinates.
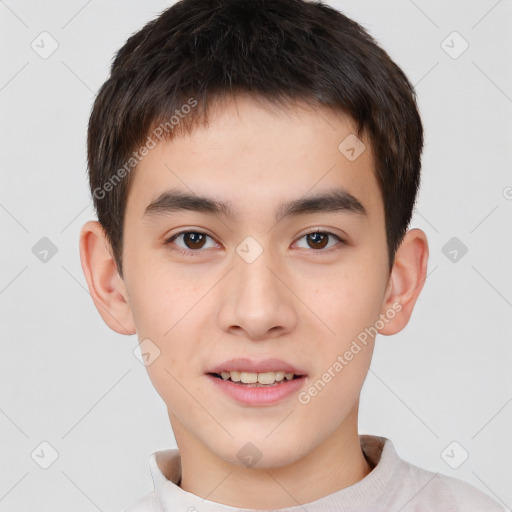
(190, 242)
(194, 240)
(317, 240)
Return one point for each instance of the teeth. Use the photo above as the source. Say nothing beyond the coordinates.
(280, 376)
(253, 378)
(266, 378)
(249, 378)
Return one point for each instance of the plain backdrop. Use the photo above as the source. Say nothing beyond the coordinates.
(441, 389)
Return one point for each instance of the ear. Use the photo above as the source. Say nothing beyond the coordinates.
(106, 287)
(405, 281)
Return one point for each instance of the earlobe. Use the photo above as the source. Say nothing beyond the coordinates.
(406, 281)
(106, 287)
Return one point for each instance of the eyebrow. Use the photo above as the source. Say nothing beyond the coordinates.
(335, 200)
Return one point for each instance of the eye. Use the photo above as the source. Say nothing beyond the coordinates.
(192, 240)
(320, 240)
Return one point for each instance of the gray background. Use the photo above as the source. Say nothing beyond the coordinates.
(68, 380)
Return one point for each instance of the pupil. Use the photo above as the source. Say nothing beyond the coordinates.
(319, 240)
(193, 240)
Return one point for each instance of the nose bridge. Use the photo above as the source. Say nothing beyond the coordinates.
(258, 289)
(255, 299)
(256, 280)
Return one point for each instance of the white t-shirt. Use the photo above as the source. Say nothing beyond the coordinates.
(393, 485)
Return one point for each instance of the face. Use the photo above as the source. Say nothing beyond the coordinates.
(268, 276)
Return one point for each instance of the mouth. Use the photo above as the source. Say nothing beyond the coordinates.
(252, 382)
(252, 379)
(256, 373)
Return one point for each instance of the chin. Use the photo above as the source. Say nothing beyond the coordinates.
(259, 453)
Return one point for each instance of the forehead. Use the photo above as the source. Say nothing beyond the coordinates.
(253, 154)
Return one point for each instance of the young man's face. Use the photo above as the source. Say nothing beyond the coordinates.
(254, 286)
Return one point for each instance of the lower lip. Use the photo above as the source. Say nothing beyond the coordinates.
(258, 395)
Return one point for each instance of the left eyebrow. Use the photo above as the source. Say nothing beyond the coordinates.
(335, 200)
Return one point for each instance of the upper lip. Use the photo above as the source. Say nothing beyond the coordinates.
(253, 366)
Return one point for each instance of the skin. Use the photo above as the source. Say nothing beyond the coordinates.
(296, 302)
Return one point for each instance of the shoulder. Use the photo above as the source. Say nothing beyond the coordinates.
(468, 497)
(148, 503)
(421, 491)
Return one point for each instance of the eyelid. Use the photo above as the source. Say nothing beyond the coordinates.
(326, 231)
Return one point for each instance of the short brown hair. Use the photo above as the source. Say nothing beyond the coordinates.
(281, 50)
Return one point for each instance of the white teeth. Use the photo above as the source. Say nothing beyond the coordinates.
(280, 376)
(248, 378)
(253, 378)
(267, 378)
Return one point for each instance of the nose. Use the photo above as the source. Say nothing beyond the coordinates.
(256, 301)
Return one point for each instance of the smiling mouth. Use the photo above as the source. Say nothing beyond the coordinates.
(250, 379)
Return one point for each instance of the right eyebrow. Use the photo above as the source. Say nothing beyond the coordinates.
(176, 200)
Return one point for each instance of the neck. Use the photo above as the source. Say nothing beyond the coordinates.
(336, 463)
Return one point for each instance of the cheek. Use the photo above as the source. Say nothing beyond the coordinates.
(166, 310)
(165, 314)
(153, 303)
(156, 296)
(349, 300)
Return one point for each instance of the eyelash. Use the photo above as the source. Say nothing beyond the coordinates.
(191, 252)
